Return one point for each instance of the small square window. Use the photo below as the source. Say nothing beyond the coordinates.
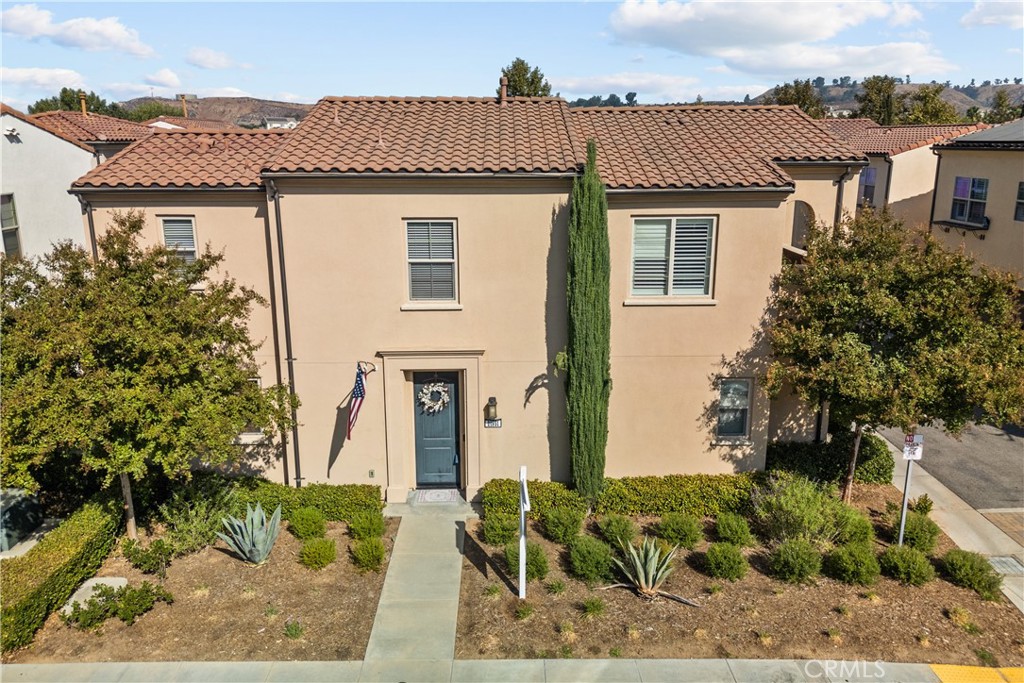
(734, 408)
(673, 256)
(180, 236)
(969, 197)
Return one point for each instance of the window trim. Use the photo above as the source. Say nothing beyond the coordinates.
(454, 303)
(968, 201)
(195, 234)
(15, 229)
(670, 299)
(745, 437)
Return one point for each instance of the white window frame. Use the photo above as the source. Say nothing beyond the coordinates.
(969, 201)
(453, 302)
(668, 298)
(15, 229)
(174, 247)
(745, 436)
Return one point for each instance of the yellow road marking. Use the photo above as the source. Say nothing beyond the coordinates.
(1014, 675)
(949, 673)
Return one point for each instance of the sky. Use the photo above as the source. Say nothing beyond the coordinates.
(665, 51)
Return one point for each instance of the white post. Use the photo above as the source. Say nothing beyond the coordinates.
(913, 447)
(906, 492)
(524, 507)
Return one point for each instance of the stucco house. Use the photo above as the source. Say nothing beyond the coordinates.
(37, 164)
(901, 172)
(427, 237)
(979, 196)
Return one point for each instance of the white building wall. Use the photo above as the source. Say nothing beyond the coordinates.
(38, 167)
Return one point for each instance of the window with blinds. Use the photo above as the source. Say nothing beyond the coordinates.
(12, 239)
(431, 254)
(180, 236)
(734, 408)
(672, 256)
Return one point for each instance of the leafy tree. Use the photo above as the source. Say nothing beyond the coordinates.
(879, 101)
(151, 110)
(1002, 111)
(819, 82)
(67, 100)
(974, 115)
(800, 93)
(614, 101)
(631, 99)
(927, 106)
(524, 81)
(893, 330)
(120, 364)
(587, 361)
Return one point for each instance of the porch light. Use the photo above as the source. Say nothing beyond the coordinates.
(491, 409)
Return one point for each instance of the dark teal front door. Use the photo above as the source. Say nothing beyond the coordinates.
(437, 431)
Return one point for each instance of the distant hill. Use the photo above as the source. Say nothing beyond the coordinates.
(241, 111)
(962, 98)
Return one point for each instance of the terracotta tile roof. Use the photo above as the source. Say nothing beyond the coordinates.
(188, 159)
(93, 127)
(875, 139)
(191, 124)
(432, 135)
(704, 146)
(844, 129)
(42, 125)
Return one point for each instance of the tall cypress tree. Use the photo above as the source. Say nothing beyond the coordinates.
(588, 382)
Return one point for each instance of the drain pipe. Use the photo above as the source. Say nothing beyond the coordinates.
(273, 325)
(272, 186)
(839, 195)
(87, 212)
(888, 178)
(935, 189)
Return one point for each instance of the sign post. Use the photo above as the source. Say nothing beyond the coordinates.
(524, 507)
(913, 447)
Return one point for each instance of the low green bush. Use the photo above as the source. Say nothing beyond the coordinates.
(192, 515)
(971, 570)
(43, 579)
(536, 561)
(152, 560)
(733, 528)
(307, 523)
(679, 528)
(317, 553)
(907, 565)
(922, 504)
(562, 525)
(127, 603)
(852, 526)
(500, 528)
(854, 563)
(366, 524)
(617, 530)
(919, 532)
(700, 495)
(795, 561)
(827, 462)
(502, 495)
(369, 554)
(792, 506)
(338, 502)
(590, 559)
(725, 561)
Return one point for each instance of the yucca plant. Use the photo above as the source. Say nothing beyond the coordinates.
(646, 568)
(253, 539)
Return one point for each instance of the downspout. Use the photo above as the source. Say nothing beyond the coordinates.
(87, 212)
(287, 327)
(839, 195)
(271, 194)
(935, 189)
(888, 178)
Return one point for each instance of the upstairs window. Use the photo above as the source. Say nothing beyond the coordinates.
(673, 256)
(734, 408)
(1018, 211)
(969, 197)
(9, 219)
(180, 236)
(866, 190)
(431, 253)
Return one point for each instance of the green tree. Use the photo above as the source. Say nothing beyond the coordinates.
(124, 366)
(1002, 111)
(926, 105)
(587, 361)
(151, 110)
(879, 101)
(800, 93)
(67, 100)
(893, 330)
(524, 81)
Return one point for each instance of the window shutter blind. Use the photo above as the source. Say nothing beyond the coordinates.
(180, 235)
(691, 257)
(650, 257)
(431, 260)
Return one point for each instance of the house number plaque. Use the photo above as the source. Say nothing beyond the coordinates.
(492, 424)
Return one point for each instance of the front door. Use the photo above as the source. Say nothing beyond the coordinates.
(436, 406)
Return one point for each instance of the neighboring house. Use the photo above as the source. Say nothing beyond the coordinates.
(429, 236)
(105, 134)
(901, 174)
(270, 122)
(186, 123)
(37, 164)
(979, 196)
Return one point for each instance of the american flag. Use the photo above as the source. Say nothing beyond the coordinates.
(358, 394)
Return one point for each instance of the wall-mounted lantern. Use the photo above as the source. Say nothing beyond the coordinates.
(491, 409)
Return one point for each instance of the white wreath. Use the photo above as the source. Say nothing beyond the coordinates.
(426, 397)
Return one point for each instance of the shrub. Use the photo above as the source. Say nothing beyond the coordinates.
(854, 563)
(725, 561)
(338, 502)
(827, 462)
(700, 495)
(502, 495)
(647, 567)
(733, 528)
(366, 524)
(922, 504)
(307, 523)
(920, 532)
(126, 603)
(617, 530)
(681, 529)
(852, 526)
(253, 538)
(536, 561)
(907, 565)
(791, 506)
(369, 554)
(592, 607)
(192, 514)
(317, 553)
(43, 579)
(562, 525)
(500, 528)
(795, 561)
(590, 559)
(151, 560)
(971, 570)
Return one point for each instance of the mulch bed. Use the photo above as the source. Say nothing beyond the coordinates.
(756, 617)
(226, 610)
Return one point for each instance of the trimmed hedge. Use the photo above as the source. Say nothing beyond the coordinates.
(699, 495)
(827, 462)
(338, 502)
(43, 579)
(502, 495)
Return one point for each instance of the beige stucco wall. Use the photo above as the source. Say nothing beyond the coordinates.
(1002, 245)
(913, 181)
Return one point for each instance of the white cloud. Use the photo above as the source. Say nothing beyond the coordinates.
(205, 58)
(904, 13)
(42, 79)
(292, 97)
(225, 91)
(86, 33)
(995, 13)
(165, 78)
(797, 60)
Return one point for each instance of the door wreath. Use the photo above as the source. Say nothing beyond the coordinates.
(427, 400)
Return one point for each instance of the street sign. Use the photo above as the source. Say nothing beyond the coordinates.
(913, 446)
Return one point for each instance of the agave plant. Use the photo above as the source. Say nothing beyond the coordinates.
(252, 539)
(646, 568)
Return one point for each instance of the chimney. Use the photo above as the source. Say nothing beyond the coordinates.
(81, 102)
(504, 90)
(184, 107)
